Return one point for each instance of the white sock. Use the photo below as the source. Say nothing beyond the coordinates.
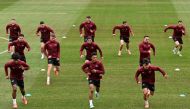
(14, 101)
(90, 101)
(146, 101)
(48, 78)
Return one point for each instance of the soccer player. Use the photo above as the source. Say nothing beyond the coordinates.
(44, 31)
(147, 72)
(95, 70)
(52, 51)
(125, 32)
(89, 29)
(13, 30)
(16, 77)
(19, 46)
(178, 32)
(90, 48)
(145, 49)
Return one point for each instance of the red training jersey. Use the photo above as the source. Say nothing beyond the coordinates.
(90, 48)
(148, 75)
(178, 31)
(16, 71)
(13, 29)
(89, 29)
(90, 66)
(144, 49)
(19, 46)
(45, 32)
(52, 49)
(124, 30)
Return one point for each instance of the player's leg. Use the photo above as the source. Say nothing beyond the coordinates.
(14, 90)
(97, 91)
(128, 50)
(22, 90)
(56, 64)
(176, 47)
(146, 93)
(180, 46)
(91, 91)
(121, 47)
(50, 62)
(42, 49)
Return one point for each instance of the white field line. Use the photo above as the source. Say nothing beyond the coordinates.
(30, 13)
(4, 50)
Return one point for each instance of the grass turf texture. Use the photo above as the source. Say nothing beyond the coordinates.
(119, 90)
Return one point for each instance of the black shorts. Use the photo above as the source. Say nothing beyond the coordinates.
(126, 39)
(43, 40)
(151, 87)
(23, 58)
(141, 62)
(19, 83)
(53, 61)
(11, 39)
(94, 82)
(86, 37)
(88, 58)
(178, 39)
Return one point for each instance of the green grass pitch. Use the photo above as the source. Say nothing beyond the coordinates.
(119, 90)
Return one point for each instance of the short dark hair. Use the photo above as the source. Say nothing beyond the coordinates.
(146, 61)
(124, 22)
(21, 35)
(146, 36)
(41, 22)
(15, 56)
(88, 17)
(13, 19)
(180, 21)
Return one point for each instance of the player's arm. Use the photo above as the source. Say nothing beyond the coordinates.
(131, 31)
(10, 45)
(50, 30)
(80, 29)
(6, 66)
(37, 31)
(24, 66)
(142, 50)
(114, 29)
(153, 49)
(183, 31)
(19, 30)
(137, 75)
(101, 69)
(58, 50)
(100, 51)
(94, 28)
(81, 51)
(161, 71)
(7, 30)
(85, 68)
(27, 46)
(168, 27)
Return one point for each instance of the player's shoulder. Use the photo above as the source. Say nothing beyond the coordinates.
(9, 62)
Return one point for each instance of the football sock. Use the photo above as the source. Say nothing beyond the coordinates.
(14, 101)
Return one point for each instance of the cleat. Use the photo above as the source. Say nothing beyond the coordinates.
(24, 100)
(91, 106)
(48, 82)
(146, 104)
(15, 106)
(119, 53)
(42, 57)
(178, 53)
(174, 51)
(129, 52)
(97, 94)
